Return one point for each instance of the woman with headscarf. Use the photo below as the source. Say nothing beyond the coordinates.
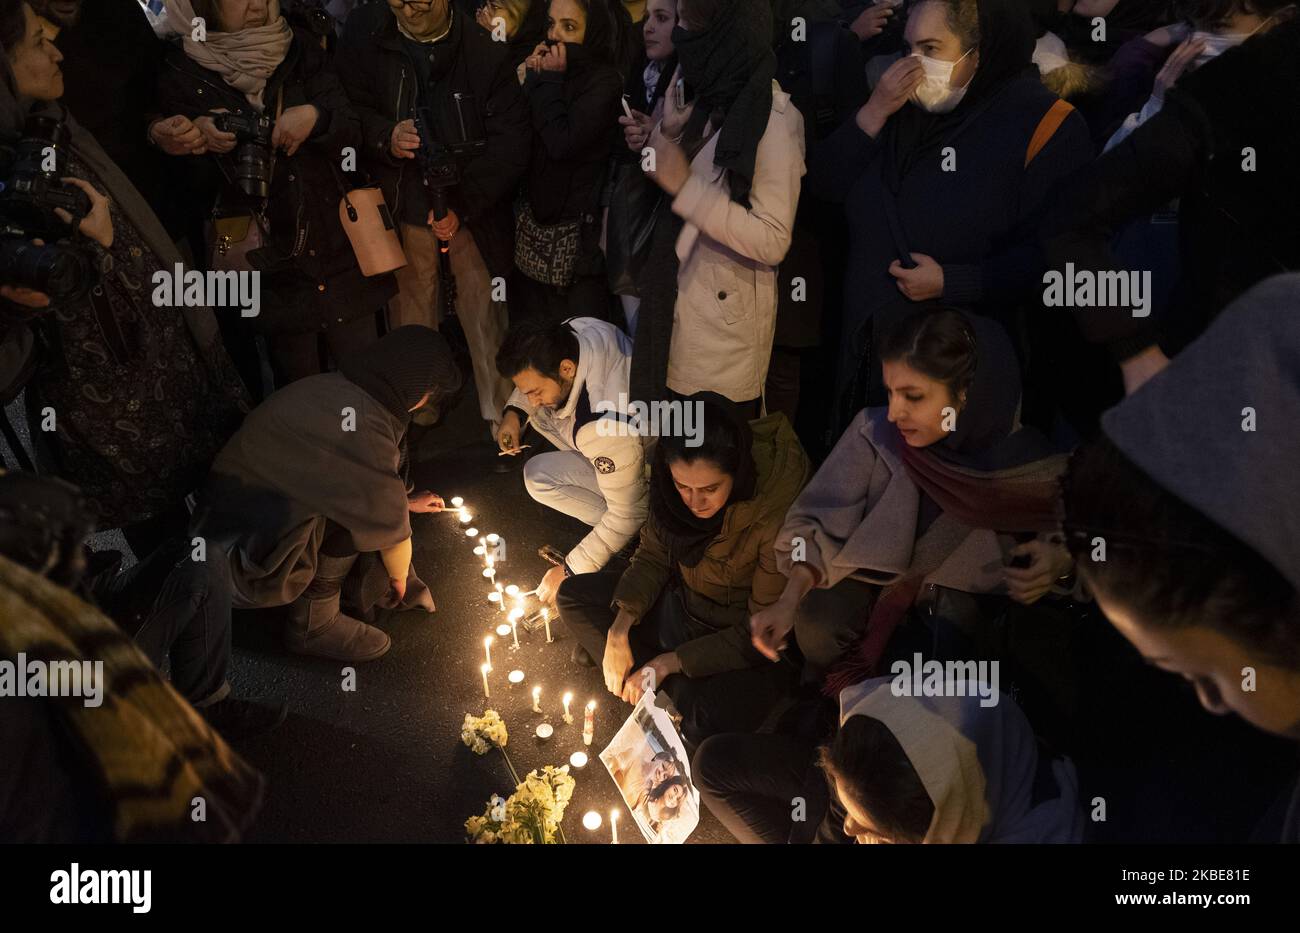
(960, 767)
(705, 563)
(918, 503)
(945, 174)
(139, 397)
(315, 477)
(728, 151)
(572, 81)
(1184, 517)
(251, 62)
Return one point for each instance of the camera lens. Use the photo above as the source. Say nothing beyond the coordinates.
(253, 170)
(62, 273)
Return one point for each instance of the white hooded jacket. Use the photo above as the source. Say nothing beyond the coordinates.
(608, 442)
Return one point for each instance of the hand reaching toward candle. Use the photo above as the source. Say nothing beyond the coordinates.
(550, 585)
(618, 653)
(651, 676)
(425, 501)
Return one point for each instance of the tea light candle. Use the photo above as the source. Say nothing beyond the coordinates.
(478, 551)
(494, 596)
(503, 630)
(591, 820)
(589, 723)
(457, 502)
(568, 698)
(613, 826)
(489, 573)
(483, 669)
(487, 650)
(465, 517)
(471, 532)
(493, 539)
(537, 698)
(515, 677)
(512, 591)
(544, 731)
(546, 620)
(579, 760)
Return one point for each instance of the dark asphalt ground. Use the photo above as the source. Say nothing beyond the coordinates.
(385, 763)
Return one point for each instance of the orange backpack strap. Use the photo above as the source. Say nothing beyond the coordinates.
(1047, 128)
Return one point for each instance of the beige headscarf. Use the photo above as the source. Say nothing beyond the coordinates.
(977, 763)
(244, 59)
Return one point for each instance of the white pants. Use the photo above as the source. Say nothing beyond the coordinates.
(483, 320)
(566, 481)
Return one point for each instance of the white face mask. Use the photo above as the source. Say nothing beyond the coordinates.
(935, 93)
(1218, 43)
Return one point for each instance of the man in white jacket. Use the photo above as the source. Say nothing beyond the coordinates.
(571, 385)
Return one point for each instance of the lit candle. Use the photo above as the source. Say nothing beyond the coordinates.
(471, 532)
(591, 820)
(589, 723)
(494, 596)
(515, 677)
(457, 502)
(514, 628)
(568, 698)
(487, 650)
(493, 539)
(503, 630)
(512, 591)
(578, 760)
(478, 551)
(546, 619)
(613, 826)
(465, 517)
(501, 600)
(484, 668)
(490, 574)
(537, 699)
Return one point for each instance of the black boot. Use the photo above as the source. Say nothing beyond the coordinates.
(239, 719)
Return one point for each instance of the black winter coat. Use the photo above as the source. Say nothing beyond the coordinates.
(380, 80)
(575, 116)
(315, 278)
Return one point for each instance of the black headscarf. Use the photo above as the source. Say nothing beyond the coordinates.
(729, 66)
(1006, 49)
(687, 535)
(989, 435)
(399, 368)
(1129, 19)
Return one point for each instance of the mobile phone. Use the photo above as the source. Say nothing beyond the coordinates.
(679, 93)
(626, 109)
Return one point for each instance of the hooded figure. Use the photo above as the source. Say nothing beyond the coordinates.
(316, 476)
(977, 224)
(882, 513)
(145, 393)
(980, 765)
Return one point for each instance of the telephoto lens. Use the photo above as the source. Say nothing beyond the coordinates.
(63, 273)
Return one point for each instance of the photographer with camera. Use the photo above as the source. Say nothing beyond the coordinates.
(446, 134)
(125, 399)
(277, 127)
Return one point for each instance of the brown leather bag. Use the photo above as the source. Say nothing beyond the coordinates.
(371, 231)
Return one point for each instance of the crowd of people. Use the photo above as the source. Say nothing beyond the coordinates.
(971, 314)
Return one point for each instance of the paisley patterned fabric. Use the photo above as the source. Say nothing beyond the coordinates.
(140, 408)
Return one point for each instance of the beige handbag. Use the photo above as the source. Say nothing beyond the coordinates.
(371, 231)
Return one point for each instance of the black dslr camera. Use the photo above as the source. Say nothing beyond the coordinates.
(253, 152)
(444, 144)
(30, 191)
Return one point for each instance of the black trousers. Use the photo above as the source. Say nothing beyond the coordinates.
(768, 789)
(178, 608)
(734, 701)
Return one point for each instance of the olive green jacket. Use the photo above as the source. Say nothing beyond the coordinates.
(737, 575)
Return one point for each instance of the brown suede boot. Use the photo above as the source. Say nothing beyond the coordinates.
(315, 625)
